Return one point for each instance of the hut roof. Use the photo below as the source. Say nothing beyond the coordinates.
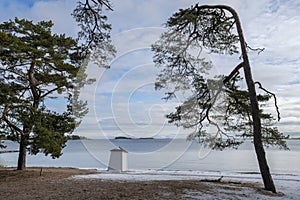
(120, 149)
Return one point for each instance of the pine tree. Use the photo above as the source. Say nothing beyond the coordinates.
(36, 67)
(218, 102)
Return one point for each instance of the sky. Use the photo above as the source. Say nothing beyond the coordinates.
(123, 102)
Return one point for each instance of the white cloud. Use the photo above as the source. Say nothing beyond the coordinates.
(58, 11)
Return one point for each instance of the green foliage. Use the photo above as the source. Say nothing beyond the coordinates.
(238, 111)
(50, 129)
(36, 67)
(210, 27)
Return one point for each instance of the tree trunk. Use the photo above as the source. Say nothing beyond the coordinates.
(28, 126)
(22, 152)
(257, 135)
(263, 165)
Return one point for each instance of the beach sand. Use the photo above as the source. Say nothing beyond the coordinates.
(59, 183)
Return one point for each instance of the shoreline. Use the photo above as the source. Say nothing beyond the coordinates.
(74, 183)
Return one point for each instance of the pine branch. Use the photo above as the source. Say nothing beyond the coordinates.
(275, 99)
(233, 73)
(259, 50)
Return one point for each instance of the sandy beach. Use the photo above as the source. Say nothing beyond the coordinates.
(70, 183)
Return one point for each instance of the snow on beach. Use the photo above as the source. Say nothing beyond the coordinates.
(288, 185)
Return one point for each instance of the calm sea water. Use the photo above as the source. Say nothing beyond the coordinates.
(164, 154)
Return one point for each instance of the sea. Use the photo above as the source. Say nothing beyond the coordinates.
(163, 154)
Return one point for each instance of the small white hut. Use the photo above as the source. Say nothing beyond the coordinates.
(118, 160)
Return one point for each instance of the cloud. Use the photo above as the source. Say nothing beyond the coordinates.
(277, 32)
(59, 11)
(272, 24)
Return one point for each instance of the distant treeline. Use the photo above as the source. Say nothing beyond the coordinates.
(69, 137)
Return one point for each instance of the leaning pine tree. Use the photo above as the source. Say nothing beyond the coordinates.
(36, 68)
(219, 102)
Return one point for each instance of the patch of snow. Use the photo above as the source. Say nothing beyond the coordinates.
(288, 185)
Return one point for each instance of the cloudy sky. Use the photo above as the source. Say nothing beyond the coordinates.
(123, 100)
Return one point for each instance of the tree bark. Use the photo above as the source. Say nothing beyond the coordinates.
(257, 135)
(22, 152)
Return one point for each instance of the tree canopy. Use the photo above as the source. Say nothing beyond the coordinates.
(94, 34)
(38, 66)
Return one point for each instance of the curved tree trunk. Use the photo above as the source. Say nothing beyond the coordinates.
(23, 146)
(257, 136)
(28, 126)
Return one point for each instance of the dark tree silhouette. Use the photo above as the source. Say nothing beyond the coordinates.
(94, 34)
(219, 101)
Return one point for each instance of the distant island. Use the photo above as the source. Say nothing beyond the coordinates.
(76, 137)
(123, 138)
(129, 138)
